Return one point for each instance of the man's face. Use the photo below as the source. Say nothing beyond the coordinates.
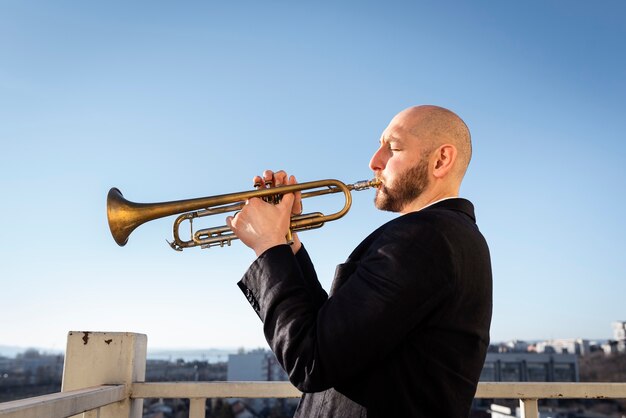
(407, 187)
(401, 163)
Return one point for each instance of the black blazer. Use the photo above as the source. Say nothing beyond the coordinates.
(405, 330)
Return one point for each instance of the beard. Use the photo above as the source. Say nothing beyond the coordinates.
(409, 186)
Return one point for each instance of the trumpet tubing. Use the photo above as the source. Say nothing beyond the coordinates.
(125, 216)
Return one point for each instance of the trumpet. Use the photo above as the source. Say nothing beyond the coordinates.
(125, 216)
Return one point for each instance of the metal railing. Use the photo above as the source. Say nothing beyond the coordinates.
(528, 393)
(104, 373)
(66, 404)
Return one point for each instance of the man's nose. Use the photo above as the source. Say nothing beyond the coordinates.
(377, 162)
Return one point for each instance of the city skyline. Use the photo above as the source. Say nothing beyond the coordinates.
(213, 354)
(168, 101)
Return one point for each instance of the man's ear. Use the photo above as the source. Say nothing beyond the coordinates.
(444, 159)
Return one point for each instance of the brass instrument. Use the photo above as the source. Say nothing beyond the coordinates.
(124, 216)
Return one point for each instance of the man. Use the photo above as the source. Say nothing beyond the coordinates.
(405, 330)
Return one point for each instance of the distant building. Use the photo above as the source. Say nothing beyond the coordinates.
(514, 346)
(619, 330)
(500, 411)
(614, 347)
(256, 365)
(576, 346)
(618, 344)
(530, 367)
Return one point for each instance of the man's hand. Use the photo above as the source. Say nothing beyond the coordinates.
(261, 225)
(280, 178)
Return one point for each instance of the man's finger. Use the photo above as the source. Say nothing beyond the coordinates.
(287, 201)
(268, 177)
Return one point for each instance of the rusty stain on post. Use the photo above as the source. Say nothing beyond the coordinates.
(86, 337)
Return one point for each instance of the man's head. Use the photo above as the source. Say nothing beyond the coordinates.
(423, 156)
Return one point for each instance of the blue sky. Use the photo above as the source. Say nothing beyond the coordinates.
(173, 100)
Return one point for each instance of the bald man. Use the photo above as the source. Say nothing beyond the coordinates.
(405, 330)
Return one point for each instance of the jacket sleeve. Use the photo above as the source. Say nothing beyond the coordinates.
(315, 289)
(390, 290)
(302, 268)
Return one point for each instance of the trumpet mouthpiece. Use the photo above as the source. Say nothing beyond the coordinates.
(365, 184)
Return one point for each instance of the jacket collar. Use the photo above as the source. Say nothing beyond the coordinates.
(455, 203)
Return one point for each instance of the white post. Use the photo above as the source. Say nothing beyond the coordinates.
(197, 408)
(529, 408)
(105, 358)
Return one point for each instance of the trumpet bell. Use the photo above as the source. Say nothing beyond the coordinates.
(119, 215)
